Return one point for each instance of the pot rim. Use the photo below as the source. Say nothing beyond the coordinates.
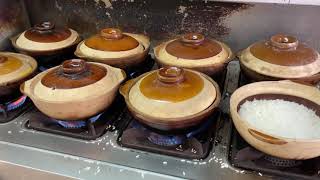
(145, 45)
(14, 39)
(240, 54)
(163, 45)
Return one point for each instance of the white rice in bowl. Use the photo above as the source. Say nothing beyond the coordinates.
(281, 118)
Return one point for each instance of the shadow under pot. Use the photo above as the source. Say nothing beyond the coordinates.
(273, 126)
(116, 48)
(14, 69)
(194, 51)
(171, 98)
(281, 57)
(46, 42)
(74, 90)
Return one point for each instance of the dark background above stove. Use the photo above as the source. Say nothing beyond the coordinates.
(237, 24)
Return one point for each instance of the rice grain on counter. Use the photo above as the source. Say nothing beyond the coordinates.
(281, 118)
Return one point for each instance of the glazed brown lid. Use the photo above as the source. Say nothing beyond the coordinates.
(111, 39)
(171, 84)
(193, 46)
(9, 64)
(73, 73)
(284, 50)
(46, 32)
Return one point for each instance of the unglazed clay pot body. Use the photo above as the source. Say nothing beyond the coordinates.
(115, 48)
(281, 57)
(272, 144)
(45, 39)
(194, 51)
(167, 100)
(68, 93)
(14, 69)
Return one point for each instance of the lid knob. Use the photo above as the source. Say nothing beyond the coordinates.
(3, 59)
(282, 41)
(74, 67)
(111, 33)
(44, 27)
(194, 39)
(170, 75)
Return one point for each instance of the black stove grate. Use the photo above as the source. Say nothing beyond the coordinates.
(91, 131)
(244, 156)
(196, 146)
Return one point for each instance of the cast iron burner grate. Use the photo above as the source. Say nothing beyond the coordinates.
(243, 156)
(194, 144)
(90, 130)
(12, 109)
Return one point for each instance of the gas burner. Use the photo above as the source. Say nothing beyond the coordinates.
(165, 140)
(243, 156)
(77, 124)
(9, 106)
(194, 144)
(176, 139)
(86, 129)
(282, 162)
(12, 109)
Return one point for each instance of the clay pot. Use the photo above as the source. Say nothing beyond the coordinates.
(14, 69)
(273, 144)
(171, 98)
(45, 39)
(114, 47)
(74, 90)
(281, 57)
(194, 51)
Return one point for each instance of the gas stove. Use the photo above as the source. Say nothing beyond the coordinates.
(128, 149)
(11, 109)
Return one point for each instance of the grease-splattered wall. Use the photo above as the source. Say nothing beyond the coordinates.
(13, 19)
(237, 24)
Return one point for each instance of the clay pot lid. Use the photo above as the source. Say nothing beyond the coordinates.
(193, 46)
(111, 39)
(47, 32)
(9, 64)
(284, 50)
(74, 73)
(171, 84)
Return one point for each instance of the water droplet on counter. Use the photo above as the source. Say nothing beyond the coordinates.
(179, 148)
(184, 173)
(165, 163)
(260, 174)
(193, 151)
(9, 132)
(137, 156)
